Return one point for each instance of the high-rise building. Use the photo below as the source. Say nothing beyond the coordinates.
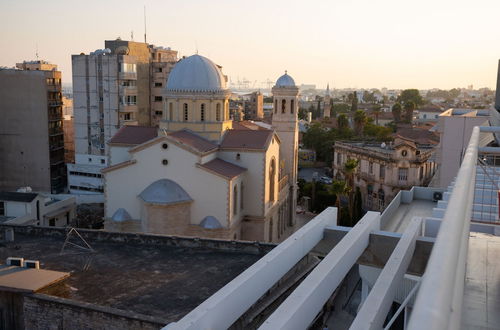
(31, 129)
(117, 86)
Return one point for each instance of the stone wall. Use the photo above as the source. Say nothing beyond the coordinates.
(46, 312)
(148, 239)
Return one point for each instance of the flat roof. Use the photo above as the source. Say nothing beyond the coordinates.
(17, 196)
(14, 278)
(157, 280)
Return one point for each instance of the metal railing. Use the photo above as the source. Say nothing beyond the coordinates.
(439, 300)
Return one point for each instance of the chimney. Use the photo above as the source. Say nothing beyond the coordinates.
(497, 95)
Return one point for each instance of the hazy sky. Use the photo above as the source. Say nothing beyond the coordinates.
(348, 43)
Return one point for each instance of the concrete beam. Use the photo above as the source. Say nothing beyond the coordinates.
(225, 306)
(378, 303)
(300, 308)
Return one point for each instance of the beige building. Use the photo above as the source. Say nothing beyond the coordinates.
(203, 175)
(31, 129)
(384, 170)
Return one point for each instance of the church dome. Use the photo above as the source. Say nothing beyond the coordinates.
(285, 81)
(196, 74)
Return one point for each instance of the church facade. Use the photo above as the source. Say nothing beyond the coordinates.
(201, 174)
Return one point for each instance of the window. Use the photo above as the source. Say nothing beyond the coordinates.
(275, 106)
(339, 159)
(242, 189)
(52, 222)
(158, 113)
(272, 175)
(186, 114)
(291, 106)
(381, 199)
(129, 83)
(130, 100)
(128, 67)
(217, 112)
(170, 111)
(283, 106)
(202, 112)
(402, 175)
(158, 84)
(126, 116)
(160, 70)
(404, 153)
(235, 199)
(2, 208)
(158, 98)
(382, 172)
(421, 174)
(370, 167)
(102, 161)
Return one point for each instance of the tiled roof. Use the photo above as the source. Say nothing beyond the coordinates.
(247, 125)
(17, 196)
(193, 140)
(246, 139)
(418, 135)
(223, 168)
(134, 135)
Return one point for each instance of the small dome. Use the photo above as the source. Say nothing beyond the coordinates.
(164, 192)
(285, 81)
(210, 222)
(121, 215)
(196, 74)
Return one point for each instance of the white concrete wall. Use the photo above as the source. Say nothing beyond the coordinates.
(118, 154)
(17, 209)
(209, 192)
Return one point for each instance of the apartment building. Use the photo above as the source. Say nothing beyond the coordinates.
(113, 87)
(31, 129)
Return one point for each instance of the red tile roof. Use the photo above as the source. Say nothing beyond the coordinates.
(223, 168)
(246, 139)
(193, 140)
(134, 135)
(247, 125)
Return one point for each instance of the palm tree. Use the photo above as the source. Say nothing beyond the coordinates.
(376, 113)
(359, 121)
(409, 107)
(349, 170)
(396, 112)
(338, 188)
(342, 121)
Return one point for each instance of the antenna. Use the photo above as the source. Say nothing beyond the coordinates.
(36, 51)
(145, 24)
(132, 35)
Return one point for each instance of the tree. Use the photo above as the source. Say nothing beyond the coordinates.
(339, 189)
(359, 122)
(358, 207)
(411, 95)
(409, 107)
(342, 121)
(354, 104)
(396, 112)
(349, 170)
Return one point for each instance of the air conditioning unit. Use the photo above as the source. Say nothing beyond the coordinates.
(35, 264)
(12, 261)
(437, 196)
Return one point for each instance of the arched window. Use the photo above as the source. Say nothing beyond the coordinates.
(242, 190)
(275, 106)
(272, 176)
(283, 106)
(170, 111)
(235, 199)
(291, 106)
(186, 114)
(217, 112)
(202, 112)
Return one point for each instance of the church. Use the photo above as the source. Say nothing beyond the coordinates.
(201, 173)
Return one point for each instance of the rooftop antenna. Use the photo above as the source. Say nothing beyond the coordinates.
(36, 52)
(145, 24)
(132, 35)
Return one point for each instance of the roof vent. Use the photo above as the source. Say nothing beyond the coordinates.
(12, 261)
(35, 264)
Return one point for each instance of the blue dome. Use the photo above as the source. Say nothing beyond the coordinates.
(210, 222)
(164, 192)
(196, 74)
(285, 81)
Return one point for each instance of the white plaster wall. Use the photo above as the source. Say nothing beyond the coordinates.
(17, 209)
(209, 191)
(273, 151)
(118, 154)
(253, 181)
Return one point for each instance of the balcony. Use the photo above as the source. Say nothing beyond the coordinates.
(367, 177)
(54, 103)
(128, 107)
(55, 131)
(127, 75)
(54, 88)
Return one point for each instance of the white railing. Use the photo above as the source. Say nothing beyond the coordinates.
(439, 300)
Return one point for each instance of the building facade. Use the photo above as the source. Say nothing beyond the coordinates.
(31, 129)
(384, 170)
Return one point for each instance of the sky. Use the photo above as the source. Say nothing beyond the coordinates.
(346, 43)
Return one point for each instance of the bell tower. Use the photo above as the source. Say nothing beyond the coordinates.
(285, 123)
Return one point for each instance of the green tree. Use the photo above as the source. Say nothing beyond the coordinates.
(409, 107)
(349, 170)
(412, 95)
(376, 113)
(339, 189)
(358, 207)
(396, 112)
(354, 102)
(359, 122)
(342, 121)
